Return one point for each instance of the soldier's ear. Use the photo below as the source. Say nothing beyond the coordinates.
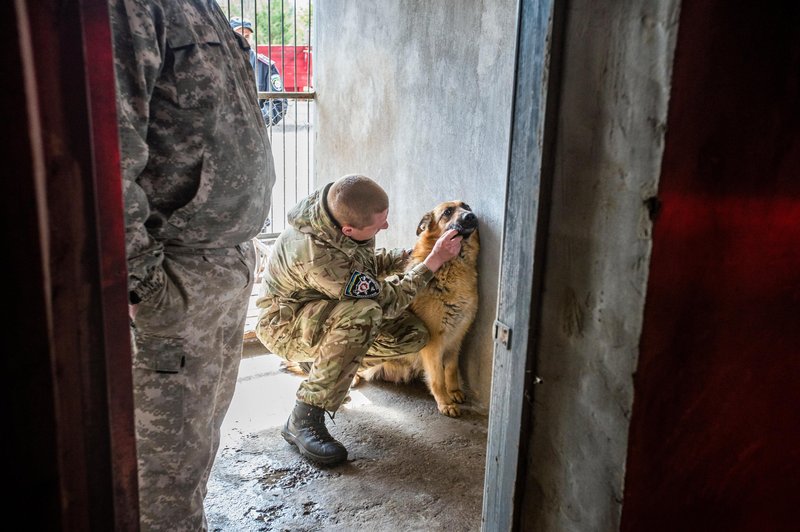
(424, 223)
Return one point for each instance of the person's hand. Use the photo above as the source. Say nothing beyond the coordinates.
(132, 311)
(447, 247)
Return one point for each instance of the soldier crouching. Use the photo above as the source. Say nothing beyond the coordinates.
(329, 298)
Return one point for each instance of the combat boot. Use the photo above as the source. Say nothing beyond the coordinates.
(306, 429)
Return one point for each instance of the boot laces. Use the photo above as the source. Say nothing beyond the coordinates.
(317, 425)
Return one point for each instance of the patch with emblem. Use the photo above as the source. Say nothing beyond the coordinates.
(361, 285)
(277, 84)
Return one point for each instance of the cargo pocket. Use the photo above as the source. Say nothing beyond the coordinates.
(160, 397)
(159, 354)
(197, 65)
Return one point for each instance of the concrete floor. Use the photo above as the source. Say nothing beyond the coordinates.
(409, 467)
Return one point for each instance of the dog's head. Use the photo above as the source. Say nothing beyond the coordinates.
(449, 215)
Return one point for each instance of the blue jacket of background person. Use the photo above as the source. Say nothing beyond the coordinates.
(268, 79)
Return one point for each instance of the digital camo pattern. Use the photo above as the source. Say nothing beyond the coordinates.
(197, 179)
(196, 160)
(307, 314)
(186, 358)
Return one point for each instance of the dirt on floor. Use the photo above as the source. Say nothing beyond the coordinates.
(409, 468)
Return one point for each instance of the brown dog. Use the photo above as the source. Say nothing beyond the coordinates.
(447, 306)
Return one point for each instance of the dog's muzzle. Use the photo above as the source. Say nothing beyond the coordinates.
(465, 225)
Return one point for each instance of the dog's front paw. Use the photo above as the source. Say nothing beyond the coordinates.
(457, 396)
(357, 378)
(450, 410)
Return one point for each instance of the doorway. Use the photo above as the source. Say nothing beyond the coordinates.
(103, 384)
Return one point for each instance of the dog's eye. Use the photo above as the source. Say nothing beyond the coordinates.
(448, 212)
(465, 206)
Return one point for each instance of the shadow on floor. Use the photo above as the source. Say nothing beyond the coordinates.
(409, 467)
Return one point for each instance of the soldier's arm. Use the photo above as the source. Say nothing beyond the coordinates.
(398, 291)
(324, 270)
(388, 262)
(139, 44)
(328, 272)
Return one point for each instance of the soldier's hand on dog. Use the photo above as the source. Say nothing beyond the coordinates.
(447, 247)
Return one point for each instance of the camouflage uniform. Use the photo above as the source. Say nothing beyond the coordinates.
(197, 179)
(333, 300)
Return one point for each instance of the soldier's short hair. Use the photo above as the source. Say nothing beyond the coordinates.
(355, 199)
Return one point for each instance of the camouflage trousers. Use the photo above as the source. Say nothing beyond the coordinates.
(187, 349)
(338, 337)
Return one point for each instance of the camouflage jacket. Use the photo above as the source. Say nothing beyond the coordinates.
(196, 161)
(313, 260)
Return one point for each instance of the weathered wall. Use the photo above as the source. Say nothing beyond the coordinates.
(417, 95)
(615, 87)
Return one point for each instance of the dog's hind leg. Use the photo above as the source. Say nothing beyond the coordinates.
(432, 356)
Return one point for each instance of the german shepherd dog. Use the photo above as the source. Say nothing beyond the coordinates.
(447, 306)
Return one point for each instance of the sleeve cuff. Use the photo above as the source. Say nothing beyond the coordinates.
(423, 271)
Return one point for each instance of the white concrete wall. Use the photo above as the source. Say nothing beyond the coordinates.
(417, 95)
(609, 145)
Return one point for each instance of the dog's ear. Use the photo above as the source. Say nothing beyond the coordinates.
(424, 223)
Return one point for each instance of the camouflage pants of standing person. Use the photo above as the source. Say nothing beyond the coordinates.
(188, 345)
(336, 336)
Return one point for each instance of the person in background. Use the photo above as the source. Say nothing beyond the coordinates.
(329, 298)
(268, 78)
(197, 173)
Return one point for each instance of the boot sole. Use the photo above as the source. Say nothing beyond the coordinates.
(325, 460)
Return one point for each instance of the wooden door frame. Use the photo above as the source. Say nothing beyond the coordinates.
(69, 375)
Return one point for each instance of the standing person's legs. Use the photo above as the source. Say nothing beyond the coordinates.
(232, 331)
(188, 347)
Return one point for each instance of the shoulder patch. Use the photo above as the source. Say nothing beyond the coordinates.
(361, 285)
(277, 84)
